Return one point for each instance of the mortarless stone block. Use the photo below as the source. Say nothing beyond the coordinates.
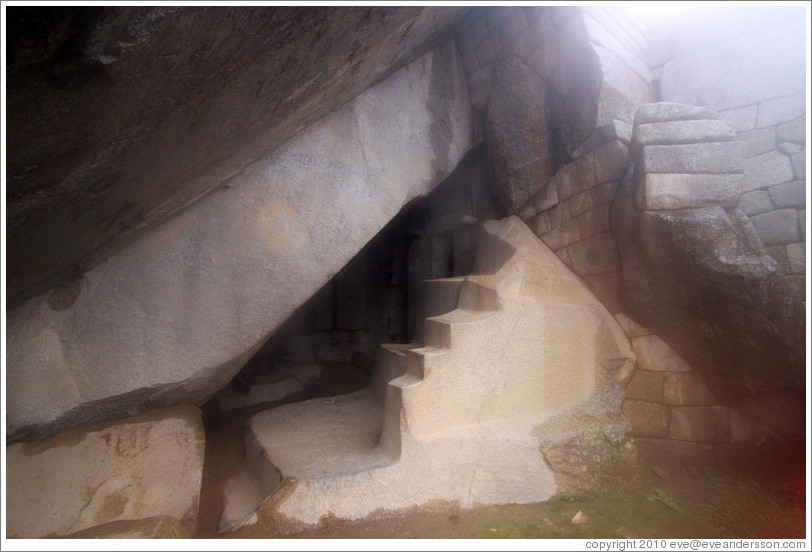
(685, 191)
(594, 255)
(709, 158)
(686, 388)
(682, 132)
(777, 227)
(647, 419)
(703, 424)
(760, 140)
(655, 354)
(789, 194)
(755, 202)
(796, 254)
(646, 386)
(768, 169)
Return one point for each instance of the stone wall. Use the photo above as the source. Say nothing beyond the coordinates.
(747, 63)
(590, 65)
(668, 403)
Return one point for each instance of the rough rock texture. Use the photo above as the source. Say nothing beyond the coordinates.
(507, 399)
(701, 279)
(147, 466)
(173, 316)
(120, 116)
(516, 134)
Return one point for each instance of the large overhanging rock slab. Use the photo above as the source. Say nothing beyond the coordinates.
(120, 116)
(172, 317)
(136, 477)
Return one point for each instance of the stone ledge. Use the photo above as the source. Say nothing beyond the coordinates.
(661, 191)
(682, 132)
(706, 158)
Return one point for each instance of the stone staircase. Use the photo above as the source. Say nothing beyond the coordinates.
(460, 414)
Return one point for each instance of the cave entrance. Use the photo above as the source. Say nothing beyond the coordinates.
(329, 345)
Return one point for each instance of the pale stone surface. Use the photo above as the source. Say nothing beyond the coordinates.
(685, 191)
(793, 131)
(709, 158)
(704, 424)
(630, 327)
(766, 170)
(580, 203)
(174, 316)
(655, 354)
(463, 418)
(682, 132)
(799, 164)
(139, 467)
(740, 71)
(760, 140)
(777, 227)
(648, 419)
(796, 254)
(740, 119)
(781, 110)
(789, 148)
(755, 202)
(662, 112)
(645, 385)
(562, 236)
(790, 194)
(686, 389)
(242, 495)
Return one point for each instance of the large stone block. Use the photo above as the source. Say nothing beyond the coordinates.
(646, 386)
(777, 227)
(663, 112)
(139, 467)
(740, 119)
(703, 424)
(760, 140)
(606, 287)
(685, 191)
(793, 131)
(796, 254)
(686, 389)
(766, 170)
(755, 202)
(630, 327)
(647, 419)
(562, 236)
(517, 137)
(173, 317)
(710, 158)
(790, 194)
(799, 164)
(682, 132)
(781, 110)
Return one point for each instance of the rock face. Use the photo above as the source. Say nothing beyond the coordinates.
(519, 157)
(138, 477)
(172, 317)
(120, 116)
(699, 277)
(509, 397)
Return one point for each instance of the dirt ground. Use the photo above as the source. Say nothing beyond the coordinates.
(759, 495)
